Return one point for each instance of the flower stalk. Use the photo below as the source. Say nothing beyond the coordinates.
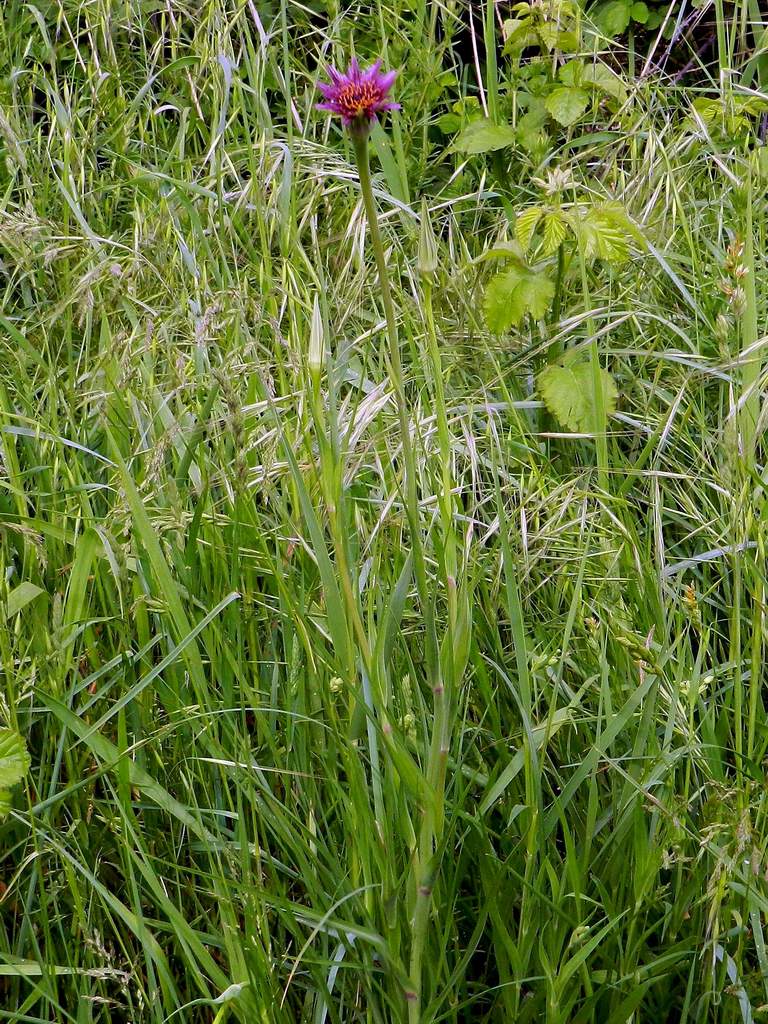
(358, 97)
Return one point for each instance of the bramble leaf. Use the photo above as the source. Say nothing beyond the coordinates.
(530, 133)
(566, 104)
(512, 294)
(605, 232)
(555, 230)
(567, 392)
(525, 225)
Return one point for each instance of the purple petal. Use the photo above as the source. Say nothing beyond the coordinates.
(385, 82)
(335, 76)
(370, 74)
(329, 91)
(354, 70)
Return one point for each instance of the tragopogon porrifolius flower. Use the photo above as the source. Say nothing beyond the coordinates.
(358, 97)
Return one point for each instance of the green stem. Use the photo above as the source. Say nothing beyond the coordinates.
(360, 143)
(435, 773)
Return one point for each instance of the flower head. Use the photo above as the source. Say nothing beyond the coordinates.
(358, 96)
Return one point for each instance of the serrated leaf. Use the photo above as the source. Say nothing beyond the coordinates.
(605, 232)
(14, 765)
(509, 296)
(503, 251)
(601, 77)
(570, 73)
(502, 305)
(613, 17)
(484, 136)
(555, 230)
(525, 225)
(549, 34)
(538, 292)
(566, 104)
(567, 392)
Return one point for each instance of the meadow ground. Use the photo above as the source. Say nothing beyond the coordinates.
(370, 668)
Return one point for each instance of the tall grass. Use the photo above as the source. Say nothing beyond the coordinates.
(282, 771)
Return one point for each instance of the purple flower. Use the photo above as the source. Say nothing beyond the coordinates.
(358, 96)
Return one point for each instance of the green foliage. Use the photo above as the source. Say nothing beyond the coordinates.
(567, 389)
(614, 17)
(483, 136)
(511, 295)
(566, 104)
(273, 755)
(732, 116)
(602, 231)
(14, 765)
(605, 232)
(550, 24)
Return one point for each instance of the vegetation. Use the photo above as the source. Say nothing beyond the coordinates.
(358, 679)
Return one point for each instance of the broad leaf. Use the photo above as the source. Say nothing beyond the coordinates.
(509, 296)
(14, 765)
(555, 230)
(570, 73)
(601, 77)
(566, 104)
(530, 133)
(640, 12)
(449, 123)
(567, 392)
(549, 34)
(525, 225)
(613, 18)
(483, 136)
(605, 232)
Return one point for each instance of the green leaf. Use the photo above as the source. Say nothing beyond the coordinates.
(601, 77)
(529, 130)
(549, 34)
(555, 230)
(525, 225)
(566, 390)
(21, 596)
(566, 104)
(14, 765)
(484, 136)
(570, 73)
(640, 12)
(518, 34)
(605, 232)
(509, 296)
(449, 123)
(613, 18)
